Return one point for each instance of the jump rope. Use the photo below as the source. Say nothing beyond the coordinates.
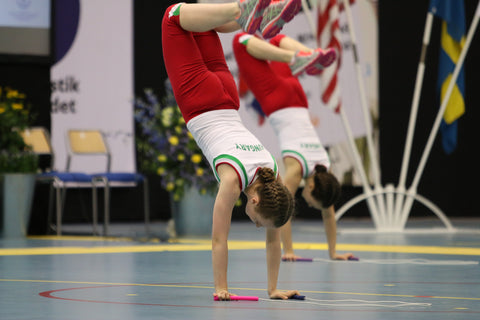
(357, 302)
(337, 303)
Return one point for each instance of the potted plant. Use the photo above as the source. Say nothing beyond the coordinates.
(167, 148)
(18, 163)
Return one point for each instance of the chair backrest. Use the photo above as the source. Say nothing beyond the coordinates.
(38, 139)
(87, 142)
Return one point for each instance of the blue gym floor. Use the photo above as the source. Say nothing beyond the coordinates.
(412, 275)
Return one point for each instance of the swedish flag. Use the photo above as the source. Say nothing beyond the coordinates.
(452, 13)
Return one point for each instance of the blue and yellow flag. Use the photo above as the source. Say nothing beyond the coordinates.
(452, 13)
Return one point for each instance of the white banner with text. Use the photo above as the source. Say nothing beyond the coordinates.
(92, 82)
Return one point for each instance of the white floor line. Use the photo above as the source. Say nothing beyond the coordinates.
(353, 303)
(409, 261)
(408, 230)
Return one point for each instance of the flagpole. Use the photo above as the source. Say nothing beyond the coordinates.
(412, 190)
(413, 117)
(366, 116)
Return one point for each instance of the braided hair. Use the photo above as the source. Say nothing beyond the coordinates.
(327, 189)
(276, 202)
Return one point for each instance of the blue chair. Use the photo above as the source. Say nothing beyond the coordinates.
(39, 140)
(83, 142)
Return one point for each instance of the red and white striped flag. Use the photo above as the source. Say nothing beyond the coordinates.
(328, 36)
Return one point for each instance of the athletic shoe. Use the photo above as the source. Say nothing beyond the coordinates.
(304, 61)
(326, 58)
(251, 14)
(276, 15)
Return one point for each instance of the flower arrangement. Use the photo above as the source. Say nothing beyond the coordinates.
(15, 155)
(166, 147)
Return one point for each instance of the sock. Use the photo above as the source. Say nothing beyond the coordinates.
(244, 39)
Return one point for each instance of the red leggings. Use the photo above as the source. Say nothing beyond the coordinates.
(197, 69)
(272, 83)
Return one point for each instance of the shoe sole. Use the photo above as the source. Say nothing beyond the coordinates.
(322, 61)
(287, 14)
(256, 17)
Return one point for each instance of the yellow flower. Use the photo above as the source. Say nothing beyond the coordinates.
(238, 203)
(12, 93)
(160, 171)
(170, 186)
(196, 158)
(2, 109)
(167, 115)
(203, 191)
(176, 197)
(181, 120)
(181, 157)
(199, 172)
(173, 140)
(189, 134)
(178, 129)
(162, 158)
(17, 106)
(179, 182)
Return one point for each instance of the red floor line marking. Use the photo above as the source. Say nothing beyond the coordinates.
(49, 294)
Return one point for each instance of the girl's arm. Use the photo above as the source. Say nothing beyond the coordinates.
(328, 216)
(292, 179)
(274, 252)
(227, 195)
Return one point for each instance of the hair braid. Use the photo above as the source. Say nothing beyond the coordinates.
(276, 202)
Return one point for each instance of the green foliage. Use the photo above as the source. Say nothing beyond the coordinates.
(15, 116)
(167, 148)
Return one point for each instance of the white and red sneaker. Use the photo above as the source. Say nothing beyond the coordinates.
(251, 14)
(276, 15)
(312, 62)
(326, 58)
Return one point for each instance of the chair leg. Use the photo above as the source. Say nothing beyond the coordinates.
(106, 216)
(94, 209)
(59, 211)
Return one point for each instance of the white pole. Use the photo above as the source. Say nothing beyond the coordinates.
(309, 17)
(440, 113)
(363, 177)
(366, 115)
(413, 117)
